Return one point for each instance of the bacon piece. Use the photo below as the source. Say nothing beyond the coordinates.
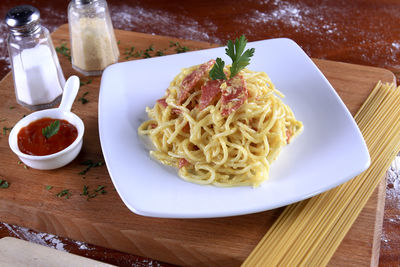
(162, 102)
(182, 163)
(176, 111)
(192, 79)
(288, 135)
(209, 91)
(234, 95)
(186, 128)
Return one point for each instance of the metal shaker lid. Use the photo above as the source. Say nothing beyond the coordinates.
(83, 2)
(23, 19)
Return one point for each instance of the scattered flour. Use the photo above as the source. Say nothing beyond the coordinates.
(44, 239)
(162, 22)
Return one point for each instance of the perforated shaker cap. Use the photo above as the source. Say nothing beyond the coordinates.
(83, 2)
(23, 19)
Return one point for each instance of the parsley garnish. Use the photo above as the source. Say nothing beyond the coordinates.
(129, 52)
(5, 129)
(52, 129)
(83, 99)
(12, 107)
(90, 164)
(65, 193)
(99, 190)
(178, 47)
(239, 59)
(85, 190)
(63, 50)
(85, 83)
(49, 187)
(4, 184)
(217, 72)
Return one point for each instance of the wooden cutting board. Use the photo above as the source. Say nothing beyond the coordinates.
(105, 221)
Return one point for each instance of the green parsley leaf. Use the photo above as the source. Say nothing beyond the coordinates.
(52, 129)
(65, 193)
(90, 164)
(4, 184)
(83, 99)
(217, 71)
(49, 187)
(5, 129)
(64, 50)
(85, 190)
(178, 47)
(239, 59)
(101, 187)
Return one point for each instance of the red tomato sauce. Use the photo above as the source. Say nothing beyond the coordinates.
(32, 141)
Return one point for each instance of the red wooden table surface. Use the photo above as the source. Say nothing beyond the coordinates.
(362, 32)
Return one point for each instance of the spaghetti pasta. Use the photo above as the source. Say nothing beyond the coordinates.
(219, 132)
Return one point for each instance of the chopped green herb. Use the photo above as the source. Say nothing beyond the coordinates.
(25, 167)
(146, 52)
(4, 184)
(101, 187)
(83, 99)
(160, 53)
(85, 83)
(119, 41)
(91, 196)
(182, 49)
(49, 187)
(19, 162)
(12, 107)
(178, 47)
(5, 129)
(85, 190)
(65, 193)
(171, 44)
(129, 52)
(90, 164)
(64, 50)
(52, 129)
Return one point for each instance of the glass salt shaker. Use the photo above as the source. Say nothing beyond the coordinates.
(38, 78)
(93, 43)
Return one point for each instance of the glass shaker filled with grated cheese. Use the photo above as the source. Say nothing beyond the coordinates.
(38, 78)
(93, 44)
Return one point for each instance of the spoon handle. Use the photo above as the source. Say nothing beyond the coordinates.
(71, 89)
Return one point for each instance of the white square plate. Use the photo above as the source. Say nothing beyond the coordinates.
(330, 151)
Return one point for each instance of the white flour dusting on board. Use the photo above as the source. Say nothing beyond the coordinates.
(44, 239)
(162, 22)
